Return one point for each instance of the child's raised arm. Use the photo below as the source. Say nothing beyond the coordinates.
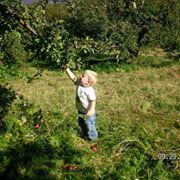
(70, 74)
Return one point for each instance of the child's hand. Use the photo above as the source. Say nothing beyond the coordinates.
(64, 66)
(88, 114)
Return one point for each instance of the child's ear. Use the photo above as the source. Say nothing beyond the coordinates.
(89, 82)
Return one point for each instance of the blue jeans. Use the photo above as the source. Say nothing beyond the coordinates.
(88, 127)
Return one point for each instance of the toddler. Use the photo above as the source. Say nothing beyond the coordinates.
(85, 102)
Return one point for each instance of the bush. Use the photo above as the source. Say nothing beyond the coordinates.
(164, 29)
(116, 29)
(51, 47)
(7, 96)
(13, 49)
(86, 18)
(124, 36)
(55, 12)
(171, 40)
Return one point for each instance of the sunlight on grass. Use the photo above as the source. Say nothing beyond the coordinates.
(137, 118)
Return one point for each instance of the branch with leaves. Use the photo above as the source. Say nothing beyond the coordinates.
(8, 11)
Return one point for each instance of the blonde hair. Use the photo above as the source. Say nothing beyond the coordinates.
(92, 76)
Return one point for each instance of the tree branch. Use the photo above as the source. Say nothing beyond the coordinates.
(16, 16)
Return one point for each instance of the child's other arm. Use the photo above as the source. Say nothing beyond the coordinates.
(71, 75)
(90, 108)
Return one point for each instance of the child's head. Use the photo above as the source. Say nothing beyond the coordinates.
(88, 78)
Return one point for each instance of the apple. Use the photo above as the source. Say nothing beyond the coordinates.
(70, 167)
(37, 126)
(94, 148)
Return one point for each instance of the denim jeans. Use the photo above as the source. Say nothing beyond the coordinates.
(88, 127)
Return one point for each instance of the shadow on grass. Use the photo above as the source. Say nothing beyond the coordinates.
(7, 96)
(27, 161)
(38, 160)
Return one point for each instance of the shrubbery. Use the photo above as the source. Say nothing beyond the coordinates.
(13, 49)
(86, 18)
(7, 96)
(115, 29)
(51, 48)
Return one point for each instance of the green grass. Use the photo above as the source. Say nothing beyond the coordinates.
(137, 118)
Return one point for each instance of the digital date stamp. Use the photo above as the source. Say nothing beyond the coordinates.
(168, 156)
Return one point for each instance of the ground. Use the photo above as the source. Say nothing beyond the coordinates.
(137, 120)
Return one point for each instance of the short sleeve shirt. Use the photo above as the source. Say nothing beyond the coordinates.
(83, 96)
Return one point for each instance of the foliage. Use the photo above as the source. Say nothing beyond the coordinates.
(56, 12)
(55, 49)
(8, 72)
(36, 17)
(51, 47)
(86, 52)
(7, 96)
(121, 26)
(12, 14)
(124, 36)
(164, 30)
(13, 48)
(86, 18)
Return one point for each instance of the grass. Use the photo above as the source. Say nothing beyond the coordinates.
(137, 118)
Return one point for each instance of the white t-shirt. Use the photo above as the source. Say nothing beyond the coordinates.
(83, 95)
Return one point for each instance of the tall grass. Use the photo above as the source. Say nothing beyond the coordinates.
(137, 118)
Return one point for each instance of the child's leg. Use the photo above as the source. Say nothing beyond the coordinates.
(82, 124)
(92, 132)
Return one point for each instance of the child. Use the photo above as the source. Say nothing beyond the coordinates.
(85, 101)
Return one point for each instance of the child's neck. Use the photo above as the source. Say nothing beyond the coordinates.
(84, 85)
